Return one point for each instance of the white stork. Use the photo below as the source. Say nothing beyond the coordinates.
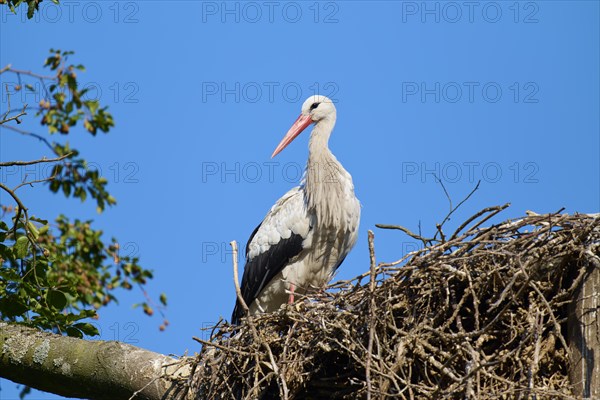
(309, 231)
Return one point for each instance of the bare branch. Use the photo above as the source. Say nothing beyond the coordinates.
(236, 279)
(495, 210)
(372, 308)
(20, 209)
(405, 230)
(8, 68)
(30, 183)
(452, 210)
(15, 118)
(39, 161)
(445, 192)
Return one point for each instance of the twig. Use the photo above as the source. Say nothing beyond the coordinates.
(405, 230)
(495, 209)
(221, 347)
(452, 210)
(5, 118)
(441, 232)
(236, 280)
(41, 160)
(445, 192)
(21, 208)
(13, 195)
(372, 307)
(491, 215)
(147, 385)
(557, 330)
(427, 241)
(30, 183)
(8, 68)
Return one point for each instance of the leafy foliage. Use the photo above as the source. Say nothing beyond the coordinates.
(68, 104)
(32, 5)
(63, 106)
(53, 276)
(75, 179)
(56, 275)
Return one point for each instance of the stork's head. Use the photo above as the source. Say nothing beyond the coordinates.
(318, 107)
(314, 109)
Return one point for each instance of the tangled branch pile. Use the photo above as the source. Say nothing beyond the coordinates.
(482, 314)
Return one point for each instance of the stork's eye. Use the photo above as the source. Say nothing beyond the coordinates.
(314, 105)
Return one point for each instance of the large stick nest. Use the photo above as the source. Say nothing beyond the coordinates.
(481, 314)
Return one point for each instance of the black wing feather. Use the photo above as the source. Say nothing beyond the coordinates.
(262, 268)
(251, 237)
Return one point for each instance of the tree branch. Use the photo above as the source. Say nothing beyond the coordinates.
(407, 231)
(41, 160)
(439, 226)
(21, 209)
(9, 68)
(5, 118)
(95, 370)
(15, 118)
(372, 307)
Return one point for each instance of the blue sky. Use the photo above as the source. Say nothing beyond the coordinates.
(202, 92)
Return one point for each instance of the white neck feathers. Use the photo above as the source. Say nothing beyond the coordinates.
(325, 177)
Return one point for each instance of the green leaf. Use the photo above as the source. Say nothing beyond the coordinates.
(87, 328)
(83, 314)
(92, 105)
(24, 392)
(55, 185)
(33, 6)
(21, 247)
(40, 220)
(56, 299)
(33, 230)
(74, 332)
(163, 299)
(83, 195)
(44, 229)
(66, 188)
(11, 307)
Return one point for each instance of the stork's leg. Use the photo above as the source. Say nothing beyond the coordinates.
(292, 288)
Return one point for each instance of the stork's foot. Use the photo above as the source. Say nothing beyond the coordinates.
(292, 289)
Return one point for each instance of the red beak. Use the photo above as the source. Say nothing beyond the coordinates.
(301, 123)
